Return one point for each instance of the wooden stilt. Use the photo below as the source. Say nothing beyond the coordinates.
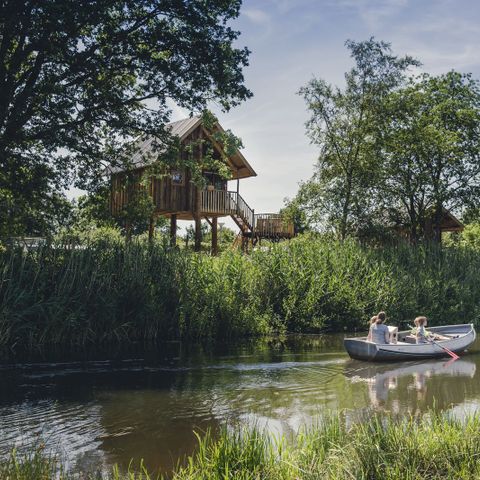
(214, 236)
(128, 232)
(198, 220)
(173, 230)
(151, 229)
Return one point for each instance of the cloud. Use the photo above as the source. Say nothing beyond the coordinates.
(373, 13)
(257, 16)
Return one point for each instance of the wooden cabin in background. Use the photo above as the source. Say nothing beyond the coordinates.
(448, 223)
(176, 196)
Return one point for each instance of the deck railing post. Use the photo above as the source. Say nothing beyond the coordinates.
(253, 225)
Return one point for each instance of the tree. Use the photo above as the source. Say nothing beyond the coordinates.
(294, 213)
(81, 80)
(432, 150)
(345, 123)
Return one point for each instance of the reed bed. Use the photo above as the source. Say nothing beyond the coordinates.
(434, 447)
(115, 293)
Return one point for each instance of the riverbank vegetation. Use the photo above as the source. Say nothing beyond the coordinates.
(435, 447)
(112, 292)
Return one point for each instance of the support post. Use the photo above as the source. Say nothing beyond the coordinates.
(198, 220)
(151, 229)
(238, 186)
(128, 232)
(253, 228)
(214, 236)
(173, 230)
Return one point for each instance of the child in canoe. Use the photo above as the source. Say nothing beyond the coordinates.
(421, 334)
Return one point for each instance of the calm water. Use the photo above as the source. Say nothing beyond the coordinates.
(104, 411)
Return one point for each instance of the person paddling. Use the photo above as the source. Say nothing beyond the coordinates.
(420, 330)
(421, 334)
(378, 329)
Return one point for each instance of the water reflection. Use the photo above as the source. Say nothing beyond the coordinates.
(412, 386)
(147, 405)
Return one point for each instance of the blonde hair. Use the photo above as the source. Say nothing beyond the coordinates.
(381, 317)
(420, 321)
(373, 320)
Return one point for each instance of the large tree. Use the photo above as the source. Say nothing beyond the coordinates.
(80, 79)
(432, 150)
(345, 124)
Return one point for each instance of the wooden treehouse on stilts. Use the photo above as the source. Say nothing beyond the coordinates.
(176, 196)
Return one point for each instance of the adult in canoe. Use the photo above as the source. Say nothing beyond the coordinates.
(378, 330)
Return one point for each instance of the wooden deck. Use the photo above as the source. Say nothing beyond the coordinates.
(263, 225)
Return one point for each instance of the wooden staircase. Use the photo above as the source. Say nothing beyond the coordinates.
(253, 227)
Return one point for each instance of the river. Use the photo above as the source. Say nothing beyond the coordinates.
(97, 410)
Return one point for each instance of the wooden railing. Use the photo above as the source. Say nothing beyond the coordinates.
(217, 202)
(222, 202)
(243, 210)
(267, 225)
(273, 225)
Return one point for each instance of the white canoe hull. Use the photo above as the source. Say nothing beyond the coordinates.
(460, 338)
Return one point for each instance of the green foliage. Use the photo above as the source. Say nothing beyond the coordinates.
(469, 238)
(111, 292)
(81, 83)
(294, 213)
(435, 447)
(91, 237)
(431, 148)
(345, 124)
(394, 151)
(36, 464)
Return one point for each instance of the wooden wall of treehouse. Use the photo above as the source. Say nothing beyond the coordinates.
(172, 191)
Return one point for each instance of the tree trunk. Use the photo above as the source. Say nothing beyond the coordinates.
(437, 223)
(345, 210)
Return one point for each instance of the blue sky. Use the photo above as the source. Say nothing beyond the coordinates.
(294, 40)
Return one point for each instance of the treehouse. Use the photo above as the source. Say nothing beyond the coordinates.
(176, 195)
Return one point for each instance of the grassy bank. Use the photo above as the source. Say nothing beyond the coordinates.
(413, 449)
(110, 292)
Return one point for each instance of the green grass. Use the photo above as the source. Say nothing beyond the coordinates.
(432, 447)
(112, 293)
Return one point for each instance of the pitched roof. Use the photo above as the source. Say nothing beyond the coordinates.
(181, 129)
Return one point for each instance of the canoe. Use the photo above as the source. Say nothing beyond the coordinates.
(403, 346)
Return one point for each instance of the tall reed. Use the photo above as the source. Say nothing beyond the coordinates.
(112, 293)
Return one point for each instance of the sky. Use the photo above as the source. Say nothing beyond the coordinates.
(293, 41)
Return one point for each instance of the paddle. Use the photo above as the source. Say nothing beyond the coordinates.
(452, 354)
(445, 349)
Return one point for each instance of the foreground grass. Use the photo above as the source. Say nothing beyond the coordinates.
(112, 293)
(431, 448)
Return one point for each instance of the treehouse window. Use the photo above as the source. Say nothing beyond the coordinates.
(215, 180)
(178, 178)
